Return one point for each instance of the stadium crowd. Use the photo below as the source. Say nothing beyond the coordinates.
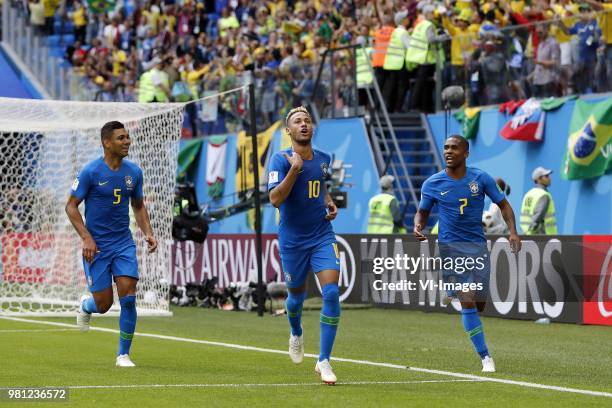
(162, 50)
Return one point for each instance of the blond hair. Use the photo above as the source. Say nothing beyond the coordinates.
(299, 109)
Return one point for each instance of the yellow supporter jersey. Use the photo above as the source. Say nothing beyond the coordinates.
(561, 11)
(119, 58)
(517, 6)
(605, 22)
(50, 7)
(464, 4)
(461, 42)
(78, 17)
(170, 22)
(152, 19)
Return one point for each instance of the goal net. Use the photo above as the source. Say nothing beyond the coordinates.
(43, 145)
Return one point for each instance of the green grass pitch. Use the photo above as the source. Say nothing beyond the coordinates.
(174, 372)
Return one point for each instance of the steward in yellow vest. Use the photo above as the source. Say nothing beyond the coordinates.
(538, 208)
(385, 216)
(364, 73)
(154, 85)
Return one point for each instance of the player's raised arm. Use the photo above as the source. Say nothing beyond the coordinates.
(508, 214)
(280, 192)
(89, 245)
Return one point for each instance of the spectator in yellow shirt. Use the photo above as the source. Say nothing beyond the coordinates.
(50, 7)
(461, 45)
(563, 10)
(79, 19)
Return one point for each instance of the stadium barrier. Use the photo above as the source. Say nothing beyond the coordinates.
(563, 278)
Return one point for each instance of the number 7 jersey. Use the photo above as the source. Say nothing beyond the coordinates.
(460, 203)
(107, 195)
(302, 214)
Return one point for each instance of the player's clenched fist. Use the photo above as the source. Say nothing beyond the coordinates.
(89, 248)
(152, 242)
(295, 160)
(418, 234)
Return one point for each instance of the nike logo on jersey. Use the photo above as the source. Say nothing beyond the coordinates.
(444, 192)
(103, 183)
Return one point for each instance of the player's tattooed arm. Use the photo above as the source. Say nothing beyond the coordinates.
(420, 221)
(89, 245)
(280, 193)
(144, 223)
(508, 214)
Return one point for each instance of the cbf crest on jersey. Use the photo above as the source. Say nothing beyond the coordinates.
(128, 181)
(473, 187)
(325, 169)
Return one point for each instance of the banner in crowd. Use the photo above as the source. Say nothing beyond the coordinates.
(101, 6)
(589, 148)
(528, 117)
(215, 165)
(244, 164)
(526, 123)
(563, 278)
(469, 119)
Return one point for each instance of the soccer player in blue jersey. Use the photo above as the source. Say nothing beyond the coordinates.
(296, 185)
(107, 185)
(459, 192)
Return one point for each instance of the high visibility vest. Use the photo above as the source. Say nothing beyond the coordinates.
(530, 202)
(381, 43)
(419, 51)
(147, 89)
(364, 74)
(394, 60)
(381, 218)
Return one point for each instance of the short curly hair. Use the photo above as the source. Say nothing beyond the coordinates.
(299, 109)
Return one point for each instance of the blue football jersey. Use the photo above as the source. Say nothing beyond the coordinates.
(302, 214)
(107, 194)
(460, 203)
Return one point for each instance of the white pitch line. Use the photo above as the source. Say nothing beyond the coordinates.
(37, 330)
(346, 360)
(238, 385)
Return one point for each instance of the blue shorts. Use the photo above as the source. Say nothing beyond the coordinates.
(297, 263)
(109, 264)
(464, 272)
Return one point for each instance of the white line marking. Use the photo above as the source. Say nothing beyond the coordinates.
(314, 384)
(36, 330)
(346, 360)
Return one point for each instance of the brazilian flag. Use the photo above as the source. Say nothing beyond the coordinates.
(188, 153)
(470, 121)
(589, 147)
(101, 6)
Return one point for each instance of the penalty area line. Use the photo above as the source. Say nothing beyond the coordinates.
(346, 360)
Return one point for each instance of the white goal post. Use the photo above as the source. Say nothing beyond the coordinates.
(43, 145)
